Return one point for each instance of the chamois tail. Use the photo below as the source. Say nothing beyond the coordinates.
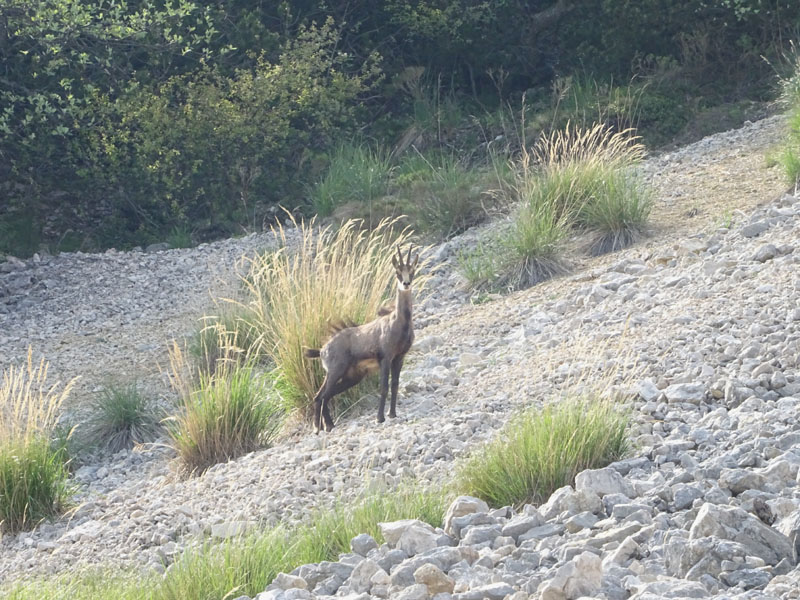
(311, 352)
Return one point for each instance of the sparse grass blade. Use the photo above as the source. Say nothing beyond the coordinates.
(542, 450)
(789, 155)
(84, 585)
(122, 417)
(230, 325)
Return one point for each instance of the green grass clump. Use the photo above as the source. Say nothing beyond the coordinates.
(33, 471)
(122, 417)
(788, 156)
(330, 275)
(357, 172)
(617, 214)
(224, 414)
(542, 450)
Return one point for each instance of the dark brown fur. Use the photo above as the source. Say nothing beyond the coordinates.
(354, 352)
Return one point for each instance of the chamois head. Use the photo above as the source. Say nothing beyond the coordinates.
(405, 270)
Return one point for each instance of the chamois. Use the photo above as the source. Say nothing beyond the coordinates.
(354, 352)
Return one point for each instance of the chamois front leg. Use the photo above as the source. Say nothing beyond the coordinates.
(397, 364)
(385, 366)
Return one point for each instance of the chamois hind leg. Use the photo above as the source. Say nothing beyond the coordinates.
(345, 383)
(385, 366)
(323, 395)
(397, 364)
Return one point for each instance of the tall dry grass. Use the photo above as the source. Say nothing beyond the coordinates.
(33, 473)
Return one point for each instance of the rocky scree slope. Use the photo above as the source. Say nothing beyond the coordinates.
(707, 505)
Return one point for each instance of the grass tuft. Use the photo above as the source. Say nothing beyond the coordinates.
(330, 275)
(573, 178)
(617, 214)
(33, 472)
(122, 418)
(224, 414)
(542, 450)
(230, 326)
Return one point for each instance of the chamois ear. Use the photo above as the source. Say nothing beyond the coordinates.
(394, 263)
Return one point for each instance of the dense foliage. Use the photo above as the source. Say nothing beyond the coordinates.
(122, 121)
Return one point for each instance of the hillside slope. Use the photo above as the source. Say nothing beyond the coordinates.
(700, 323)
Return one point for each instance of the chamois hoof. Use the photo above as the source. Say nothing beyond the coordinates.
(381, 419)
(392, 415)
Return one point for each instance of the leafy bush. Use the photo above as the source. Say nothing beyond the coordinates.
(542, 450)
(334, 275)
(224, 414)
(33, 473)
(219, 149)
(121, 418)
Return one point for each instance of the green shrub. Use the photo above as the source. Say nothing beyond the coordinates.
(214, 149)
(224, 414)
(542, 450)
(33, 472)
(334, 275)
(357, 173)
(122, 417)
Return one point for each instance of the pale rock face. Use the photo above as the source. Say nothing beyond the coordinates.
(463, 505)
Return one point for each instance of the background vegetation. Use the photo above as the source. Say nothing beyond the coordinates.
(126, 123)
